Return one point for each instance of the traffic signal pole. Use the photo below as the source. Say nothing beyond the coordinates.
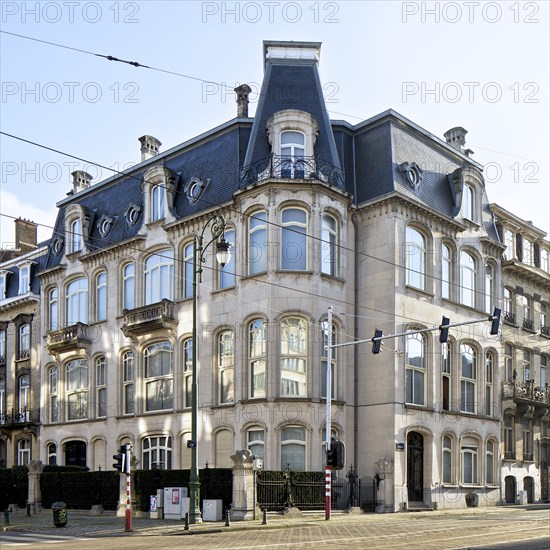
(328, 473)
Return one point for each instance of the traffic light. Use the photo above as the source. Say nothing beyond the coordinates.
(444, 330)
(376, 344)
(495, 321)
(120, 458)
(336, 456)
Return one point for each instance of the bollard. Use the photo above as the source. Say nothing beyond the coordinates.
(7, 517)
(28, 510)
(228, 517)
(186, 524)
(264, 520)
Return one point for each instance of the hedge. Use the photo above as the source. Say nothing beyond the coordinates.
(14, 486)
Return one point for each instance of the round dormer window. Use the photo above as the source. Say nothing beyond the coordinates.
(132, 213)
(104, 225)
(57, 246)
(194, 188)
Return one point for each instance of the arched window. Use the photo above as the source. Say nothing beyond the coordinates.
(75, 235)
(226, 366)
(101, 296)
(23, 452)
(446, 376)
(324, 360)
(24, 341)
(446, 271)
(53, 309)
(24, 401)
(293, 150)
(157, 203)
(509, 254)
(223, 442)
(257, 243)
(468, 203)
(76, 384)
(128, 382)
(509, 316)
(158, 377)
(489, 289)
(257, 342)
(468, 379)
(294, 336)
(294, 239)
(329, 245)
(188, 372)
(527, 313)
(543, 370)
(527, 248)
(489, 373)
(490, 463)
(76, 302)
(447, 459)
(227, 272)
(101, 386)
(508, 362)
(159, 276)
(129, 286)
(188, 270)
(415, 368)
(415, 250)
(255, 441)
(469, 459)
(52, 454)
(509, 439)
(52, 390)
(527, 439)
(157, 453)
(468, 274)
(293, 448)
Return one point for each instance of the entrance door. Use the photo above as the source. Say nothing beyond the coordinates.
(529, 488)
(415, 467)
(510, 489)
(75, 453)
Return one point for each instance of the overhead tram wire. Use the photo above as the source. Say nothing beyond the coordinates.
(240, 213)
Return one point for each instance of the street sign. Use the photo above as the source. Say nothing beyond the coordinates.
(191, 444)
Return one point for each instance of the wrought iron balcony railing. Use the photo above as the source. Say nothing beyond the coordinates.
(528, 324)
(509, 317)
(527, 457)
(24, 354)
(151, 317)
(2, 359)
(509, 455)
(64, 339)
(303, 168)
(17, 418)
(526, 391)
(545, 330)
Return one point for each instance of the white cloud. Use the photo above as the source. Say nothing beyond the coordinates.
(11, 205)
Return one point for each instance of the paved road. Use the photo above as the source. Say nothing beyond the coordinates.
(523, 529)
(35, 539)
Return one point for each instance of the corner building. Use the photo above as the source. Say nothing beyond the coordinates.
(385, 222)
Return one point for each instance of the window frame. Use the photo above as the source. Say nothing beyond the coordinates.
(296, 229)
(163, 382)
(24, 450)
(256, 444)
(468, 279)
(490, 462)
(101, 386)
(101, 295)
(187, 366)
(129, 286)
(53, 308)
(23, 394)
(413, 371)
(161, 267)
(333, 362)
(257, 358)
(225, 354)
(416, 271)
(468, 384)
(159, 445)
(447, 460)
(289, 358)
(53, 403)
(329, 240)
(469, 203)
(471, 449)
(490, 363)
(257, 237)
(75, 236)
(294, 442)
(128, 362)
(188, 252)
(24, 341)
(158, 203)
(78, 297)
(446, 271)
(227, 273)
(80, 392)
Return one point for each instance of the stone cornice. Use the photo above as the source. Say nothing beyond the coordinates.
(18, 302)
(108, 253)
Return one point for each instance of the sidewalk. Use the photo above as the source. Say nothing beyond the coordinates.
(81, 523)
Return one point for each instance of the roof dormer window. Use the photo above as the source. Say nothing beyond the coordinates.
(157, 203)
(75, 234)
(159, 185)
(293, 148)
(468, 203)
(3, 283)
(25, 276)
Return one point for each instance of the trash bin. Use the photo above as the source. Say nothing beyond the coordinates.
(59, 511)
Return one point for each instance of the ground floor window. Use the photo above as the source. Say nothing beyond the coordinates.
(293, 448)
(157, 453)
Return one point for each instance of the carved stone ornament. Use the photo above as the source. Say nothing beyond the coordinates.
(132, 213)
(194, 188)
(413, 173)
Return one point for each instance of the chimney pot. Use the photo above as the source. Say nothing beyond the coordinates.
(81, 180)
(456, 138)
(149, 147)
(242, 92)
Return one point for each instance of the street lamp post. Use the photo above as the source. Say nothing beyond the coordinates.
(223, 255)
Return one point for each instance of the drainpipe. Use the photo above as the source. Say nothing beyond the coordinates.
(355, 348)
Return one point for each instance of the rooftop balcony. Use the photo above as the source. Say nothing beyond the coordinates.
(68, 338)
(145, 319)
(296, 168)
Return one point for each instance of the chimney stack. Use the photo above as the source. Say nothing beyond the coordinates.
(242, 92)
(81, 180)
(25, 235)
(149, 147)
(456, 138)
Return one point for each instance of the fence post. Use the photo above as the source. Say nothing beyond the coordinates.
(383, 497)
(243, 485)
(34, 500)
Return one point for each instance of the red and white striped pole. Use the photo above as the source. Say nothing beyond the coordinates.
(329, 403)
(327, 492)
(128, 512)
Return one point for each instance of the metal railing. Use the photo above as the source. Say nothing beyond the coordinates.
(545, 330)
(528, 324)
(509, 317)
(526, 390)
(25, 416)
(288, 167)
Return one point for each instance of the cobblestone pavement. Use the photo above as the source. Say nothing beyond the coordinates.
(423, 530)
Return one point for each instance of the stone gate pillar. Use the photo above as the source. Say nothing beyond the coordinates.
(384, 497)
(34, 495)
(243, 486)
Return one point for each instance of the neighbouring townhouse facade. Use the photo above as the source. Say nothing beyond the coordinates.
(385, 222)
(526, 352)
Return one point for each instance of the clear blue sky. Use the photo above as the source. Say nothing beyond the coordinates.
(480, 65)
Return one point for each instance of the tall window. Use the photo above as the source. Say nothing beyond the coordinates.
(508, 362)
(489, 293)
(76, 384)
(415, 250)
(24, 279)
(489, 372)
(159, 276)
(52, 454)
(226, 366)
(23, 452)
(543, 370)
(52, 390)
(294, 336)
(527, 249)
(101, 387)
(490, 463)
(468, 272)
(324, 361)
(227, 272)
(446, 376)
(527, 439)
(257, 342)
(447, 459)
(544, 318)
(24, 388)
(129, 286)
(526, 365)
(469, 456)
(257, 243)
(3, 285)
(157, 453)
(293, 149)
(544, 260)
(294, 239)
(415, 368)
(2, 347)
(508, 306)
(158, 377)
(24, 341)
(188, 270)
(2, 399)
(157, 203)
(446, 271)
(293, 448)
(468, 203)
(468, 379)
(329, 245)
(77, 302)
(53, 301)
(509, 242)
(188, 372)
(128, 382)
(75, 237)
(101, 296)
(255, 441)
(509, 439)
(527, 313)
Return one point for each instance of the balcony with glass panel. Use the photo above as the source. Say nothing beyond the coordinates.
(68, 339)
(145, 319)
